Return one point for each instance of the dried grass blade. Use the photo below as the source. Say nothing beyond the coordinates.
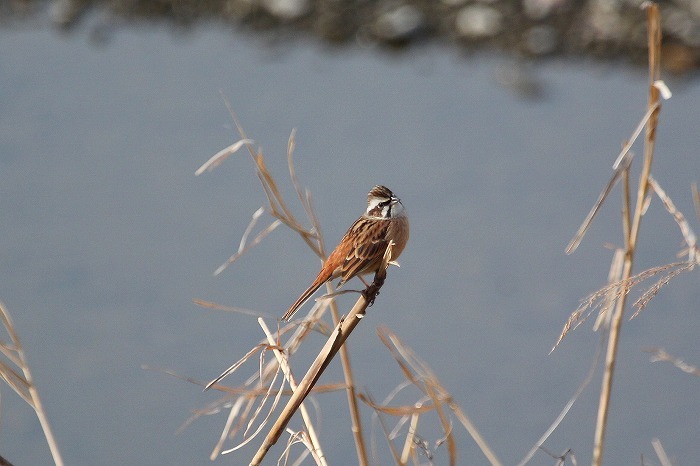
(173, 374)
(568, 405)
(410, 438)
(235, 366)
(262, 404)
(233, 412)
(622, 163)
(661, 453)
(291, 144)
(614, 276)
(688, 235)
(420, 407)
(31, 389)
(11, 353)
(257, 431)
(626, 160)
(314, 444)
(435, 391)
(222, 155)
(221, 307)
(258, 238)
(392, 448)
(474, 433)
(257, 411)
(659, 354)
(16, 382)
(635, 135)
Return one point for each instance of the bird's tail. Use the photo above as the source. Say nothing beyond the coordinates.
(303, 298)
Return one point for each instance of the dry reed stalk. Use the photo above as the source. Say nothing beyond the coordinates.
(355, 419)
(330, 349)
(654, 36)
(22, 383)
(314, 444)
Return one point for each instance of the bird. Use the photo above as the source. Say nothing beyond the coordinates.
(362, 248)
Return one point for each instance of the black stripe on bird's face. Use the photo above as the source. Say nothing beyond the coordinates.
(381, 209)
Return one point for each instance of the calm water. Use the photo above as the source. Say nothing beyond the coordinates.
(106, 236)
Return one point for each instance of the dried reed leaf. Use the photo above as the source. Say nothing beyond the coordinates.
(238, 310)
(222, 155)
(614, 275)
(660, 452)
(435, 391)
(243, 248)
(377, 415)
(621, 164)
(688, 234)
(235, 365)
(232, 414)
(23, 384)
(625, 159)
(410, 438)
(660, 354)
(17, 382)
(567, 407)
(258, 410)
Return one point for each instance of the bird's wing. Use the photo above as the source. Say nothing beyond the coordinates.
(367, 250)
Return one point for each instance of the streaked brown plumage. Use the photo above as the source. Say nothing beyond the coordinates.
(362, 248)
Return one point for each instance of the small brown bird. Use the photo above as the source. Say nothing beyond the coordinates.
(362, 248)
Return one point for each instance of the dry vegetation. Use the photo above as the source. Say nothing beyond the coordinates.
(251, 405)
(14, 370)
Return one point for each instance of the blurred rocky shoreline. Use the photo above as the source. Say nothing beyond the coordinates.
(603, 29)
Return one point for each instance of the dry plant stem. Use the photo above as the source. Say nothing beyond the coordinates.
(362, 459)
(282, 361)
(330, 349)
(33, 399)
(654, 34)
(410, 438)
